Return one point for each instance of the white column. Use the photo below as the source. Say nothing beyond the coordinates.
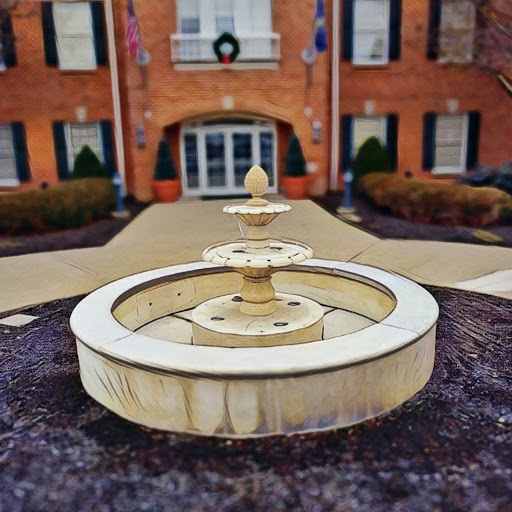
(116, 98)
(335, 96)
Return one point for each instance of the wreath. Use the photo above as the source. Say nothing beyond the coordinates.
(226, 39)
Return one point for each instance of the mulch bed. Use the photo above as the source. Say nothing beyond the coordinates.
(381, 223)
(448, 449)
(94, 235)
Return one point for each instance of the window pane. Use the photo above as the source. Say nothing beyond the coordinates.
(81, 134)
(267, 155)
(242, 156)
(224, 16)
(449, 128)
(261, 16)
(7, 163)
(448, 156)
(457, 31)
(191, 160)
(370, 14)
(73, 26)
(364, 128)
(215, 160)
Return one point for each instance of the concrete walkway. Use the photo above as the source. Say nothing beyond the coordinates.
(166, 234)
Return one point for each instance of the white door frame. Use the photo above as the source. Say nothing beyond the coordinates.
(227, 130)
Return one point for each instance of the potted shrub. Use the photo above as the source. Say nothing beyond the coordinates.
(295, 180)
(165, 185)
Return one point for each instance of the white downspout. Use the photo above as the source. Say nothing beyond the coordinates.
(116, 99)
(335, 96)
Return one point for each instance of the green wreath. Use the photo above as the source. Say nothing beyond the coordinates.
(230, 39)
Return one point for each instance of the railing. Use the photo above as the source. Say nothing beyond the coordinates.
(199, 48)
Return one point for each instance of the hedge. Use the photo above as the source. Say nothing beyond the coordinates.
(66, 205)
(442, 203)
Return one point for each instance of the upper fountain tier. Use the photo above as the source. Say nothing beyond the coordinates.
(257, 251)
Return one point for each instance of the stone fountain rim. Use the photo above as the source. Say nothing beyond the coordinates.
(413, 317)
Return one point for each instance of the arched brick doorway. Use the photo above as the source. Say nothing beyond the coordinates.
(216, 153)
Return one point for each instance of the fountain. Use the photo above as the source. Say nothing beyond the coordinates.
(260, 339)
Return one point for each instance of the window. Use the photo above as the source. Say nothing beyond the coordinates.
(14, 165)
(366, 127)
(450, 142)
(8, 174)
(357, 129)
(79, 135)
(217, 155)
(70, 138)
(200, 22)
(74, 35)
(371, 31)
(451, 30)
(7, 42)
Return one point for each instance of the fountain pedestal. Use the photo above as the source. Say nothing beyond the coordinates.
(256, 316)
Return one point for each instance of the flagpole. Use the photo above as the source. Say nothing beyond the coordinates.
(335, 96)
(116, 97)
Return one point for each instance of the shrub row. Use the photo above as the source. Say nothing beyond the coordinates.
(443, 203)
(66, 205)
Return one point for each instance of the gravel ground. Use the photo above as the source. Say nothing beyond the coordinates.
(385, 225)
(449, 449)
(96, 234)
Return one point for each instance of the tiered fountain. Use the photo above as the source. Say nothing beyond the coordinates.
(256, 341)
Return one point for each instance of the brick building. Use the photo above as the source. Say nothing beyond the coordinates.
(389, 71)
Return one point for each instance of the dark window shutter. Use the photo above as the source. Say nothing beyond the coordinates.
(98, 28)
(61, 150)
(346, 141)
(392, 139)
(19, 142)
(108, 147)
(49, 36)
(348, 28)
(395, 29)
(473, 139)
(429, 140)
(434, 22)
(7, 39)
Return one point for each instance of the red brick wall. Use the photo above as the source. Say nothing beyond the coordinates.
(38, 94)
(173, 96)
(414, 85)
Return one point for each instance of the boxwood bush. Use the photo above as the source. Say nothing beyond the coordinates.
(66, 205)
(442, 203)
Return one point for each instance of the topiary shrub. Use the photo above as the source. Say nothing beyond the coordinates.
(164, 167)
(88, 165)
(66, 205)
(371, 157)
(295, 164)
(442, 203)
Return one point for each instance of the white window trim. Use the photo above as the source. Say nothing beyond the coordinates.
(14, 181)
(356, 60)
(76, 66)
(228, 130)
(454, 170)
(69, 148)
(383, 129)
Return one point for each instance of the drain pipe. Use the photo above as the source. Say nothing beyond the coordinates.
(116, 99)
(335, 96)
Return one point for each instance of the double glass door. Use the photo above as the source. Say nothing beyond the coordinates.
(216, 158)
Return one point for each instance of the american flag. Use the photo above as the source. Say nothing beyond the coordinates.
(132, 32)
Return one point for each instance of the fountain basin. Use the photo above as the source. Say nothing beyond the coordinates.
(139, 361)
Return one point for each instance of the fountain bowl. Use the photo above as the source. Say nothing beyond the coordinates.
(137, 358)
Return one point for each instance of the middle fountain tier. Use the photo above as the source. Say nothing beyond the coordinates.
(257, 316)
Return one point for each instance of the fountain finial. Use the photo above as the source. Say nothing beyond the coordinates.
(256, 182)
